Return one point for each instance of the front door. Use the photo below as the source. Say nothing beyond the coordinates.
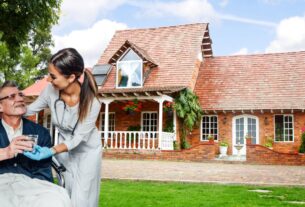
(243, 125)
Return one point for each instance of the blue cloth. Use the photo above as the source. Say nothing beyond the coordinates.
(39, 153)
(23, 165)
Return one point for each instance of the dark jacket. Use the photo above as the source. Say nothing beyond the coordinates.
(23, 165)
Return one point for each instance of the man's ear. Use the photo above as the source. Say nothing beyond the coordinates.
(1, 108)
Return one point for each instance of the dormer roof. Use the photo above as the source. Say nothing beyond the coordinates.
(175, 50)
(141, 52)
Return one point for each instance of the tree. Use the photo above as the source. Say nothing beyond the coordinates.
(25, 38)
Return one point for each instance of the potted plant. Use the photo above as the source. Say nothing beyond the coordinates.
(302, 147)
(223, 148)
(211, 138)
(269, 143)
(132, 106)
(168, 108)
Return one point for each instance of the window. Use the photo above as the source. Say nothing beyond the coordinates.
(209, 126)
(129, 70)
(111, 125)
(150, 122)
(283, 128)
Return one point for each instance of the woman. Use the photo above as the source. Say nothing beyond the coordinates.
(74, 110)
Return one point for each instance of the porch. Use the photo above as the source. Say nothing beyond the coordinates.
(141, 140)
(148, 127)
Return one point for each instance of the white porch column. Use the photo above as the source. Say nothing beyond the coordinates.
(160, 121)
(106, 102)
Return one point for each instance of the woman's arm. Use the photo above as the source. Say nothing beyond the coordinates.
(84, 128)
(41, 102)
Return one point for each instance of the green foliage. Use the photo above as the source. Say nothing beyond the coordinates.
(302, 147)
(25, 38)
(223, 144)
(134, 128)
(175, 145)
(269, 142)
(189, 112)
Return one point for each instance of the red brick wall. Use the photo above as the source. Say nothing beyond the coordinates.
(266, 128)
(257, 154)
(201, 152)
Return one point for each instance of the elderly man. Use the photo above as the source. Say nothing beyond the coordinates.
(23, 182)
(12, 140)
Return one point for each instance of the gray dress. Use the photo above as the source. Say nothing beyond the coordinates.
(83, 159)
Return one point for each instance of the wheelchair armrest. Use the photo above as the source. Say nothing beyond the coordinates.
(57, 166)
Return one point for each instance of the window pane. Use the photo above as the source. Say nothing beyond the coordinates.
(129, 73)
(279, 128)
(130, 55)
(209, 127)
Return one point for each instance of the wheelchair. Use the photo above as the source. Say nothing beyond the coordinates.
(59, 170)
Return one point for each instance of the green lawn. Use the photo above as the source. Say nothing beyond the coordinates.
(115, 193)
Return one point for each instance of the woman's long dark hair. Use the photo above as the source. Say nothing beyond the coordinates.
(68, 61)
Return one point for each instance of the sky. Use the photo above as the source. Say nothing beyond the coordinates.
(237, 27)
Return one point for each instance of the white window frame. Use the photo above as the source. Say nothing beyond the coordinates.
(149, 112)
(284, 127)
(201, 127)
(110, 124)
(47, 113)
(119, 61)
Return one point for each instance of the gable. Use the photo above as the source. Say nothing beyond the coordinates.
(174, 50)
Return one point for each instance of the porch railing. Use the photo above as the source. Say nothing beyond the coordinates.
(146, 140)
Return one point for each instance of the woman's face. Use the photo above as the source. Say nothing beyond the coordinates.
(58, 80)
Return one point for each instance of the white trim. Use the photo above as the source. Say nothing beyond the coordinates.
(149, 112)
(47, 113)
(215, 115)
(102, 115)
(284, 134)
(156, 98)
(245, 116)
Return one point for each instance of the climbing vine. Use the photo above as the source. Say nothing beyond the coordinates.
(188, 110)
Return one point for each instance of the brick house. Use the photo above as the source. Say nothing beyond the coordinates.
(259, 95)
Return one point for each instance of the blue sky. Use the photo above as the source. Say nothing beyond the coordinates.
(236, 26)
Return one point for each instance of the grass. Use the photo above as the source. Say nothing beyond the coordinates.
(117, 193)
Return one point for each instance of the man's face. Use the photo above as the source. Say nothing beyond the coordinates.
(12, 103)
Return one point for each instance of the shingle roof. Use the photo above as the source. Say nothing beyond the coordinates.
(175, 50)
(265, 81)
(36, 88)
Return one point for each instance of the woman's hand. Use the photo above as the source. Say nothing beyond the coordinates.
(39, 153)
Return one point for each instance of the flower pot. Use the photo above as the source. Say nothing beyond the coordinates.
(170, 113)
(223, 150)
(129, 112)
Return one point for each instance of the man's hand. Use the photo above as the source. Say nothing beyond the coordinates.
(39, 153)
(18, 145)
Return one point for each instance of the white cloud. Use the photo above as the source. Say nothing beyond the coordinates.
(224, 3)
(242, 51)
(290, 36)
(89, 42)
(192, 10)
(86, 12)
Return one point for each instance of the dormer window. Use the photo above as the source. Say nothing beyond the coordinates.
(129, 71)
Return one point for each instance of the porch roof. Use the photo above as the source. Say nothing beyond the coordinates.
(253, 82)
(148, 91)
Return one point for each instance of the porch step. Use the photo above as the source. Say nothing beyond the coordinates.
(231, 159)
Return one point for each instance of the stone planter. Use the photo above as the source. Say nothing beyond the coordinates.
(223, 151)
